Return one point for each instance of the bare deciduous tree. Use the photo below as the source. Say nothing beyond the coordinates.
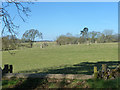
(7, 20)
(31, 34)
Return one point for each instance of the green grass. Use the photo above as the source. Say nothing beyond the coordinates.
(66, 56)
(38, 83)
(10, 83)
(115, 83)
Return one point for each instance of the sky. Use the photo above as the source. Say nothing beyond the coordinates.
(58, 18)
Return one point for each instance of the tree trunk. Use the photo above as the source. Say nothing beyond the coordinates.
(31, 44)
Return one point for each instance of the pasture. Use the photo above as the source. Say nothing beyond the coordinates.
(75, 59)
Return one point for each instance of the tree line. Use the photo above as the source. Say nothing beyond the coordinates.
(11, 42)
(88, 37)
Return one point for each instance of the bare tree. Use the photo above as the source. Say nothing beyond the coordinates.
(108, 35)
(7, 20)
(107, 32)
(31, 34)
(93, 36)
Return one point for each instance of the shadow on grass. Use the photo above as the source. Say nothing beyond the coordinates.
(32, 83)
(81, 68)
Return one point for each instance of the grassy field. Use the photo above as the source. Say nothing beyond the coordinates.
(61, 59)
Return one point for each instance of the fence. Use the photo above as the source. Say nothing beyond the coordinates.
(106, 73)
(7, 69)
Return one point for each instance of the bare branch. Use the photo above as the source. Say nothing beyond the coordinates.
(6, 18)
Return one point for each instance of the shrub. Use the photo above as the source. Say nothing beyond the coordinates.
(9, 43)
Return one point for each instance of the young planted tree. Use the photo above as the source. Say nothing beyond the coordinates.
(30, 36)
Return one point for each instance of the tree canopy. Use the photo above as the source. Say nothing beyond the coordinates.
(31, 34)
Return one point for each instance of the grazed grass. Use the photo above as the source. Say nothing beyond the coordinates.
(38, 83)
(53, 56)
(115, 83)
(10, 83)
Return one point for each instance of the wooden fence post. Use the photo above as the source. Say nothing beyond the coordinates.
(104, 68)
(5, 70)
(0, 75)
(11, 69)
(95, 72)
(0, 70)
